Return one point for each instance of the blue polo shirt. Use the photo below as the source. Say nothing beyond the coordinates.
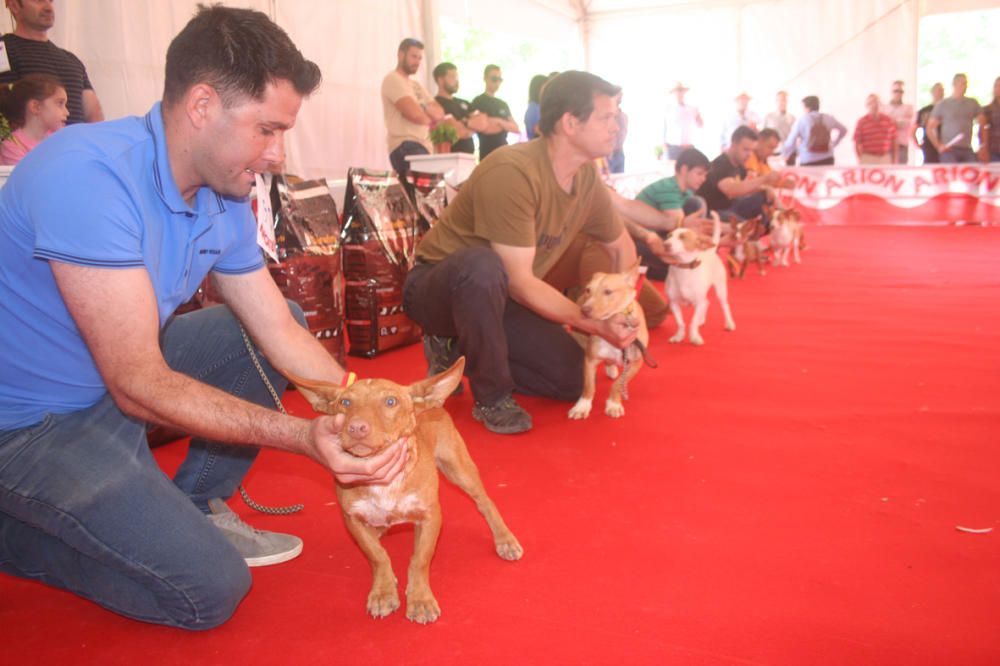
(98, 195)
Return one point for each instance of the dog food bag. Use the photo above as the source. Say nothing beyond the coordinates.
(429, 195)
(381, 230)
(309, 273)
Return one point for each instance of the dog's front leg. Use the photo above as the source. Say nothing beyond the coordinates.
(421, 606)
(383, 598)
(456, 464)
(581, 409)
(675, 310)
(700, 310)
(614, 407)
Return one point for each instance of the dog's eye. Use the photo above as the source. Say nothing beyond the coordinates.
(345, 402)
(607, 292)
(390, 402)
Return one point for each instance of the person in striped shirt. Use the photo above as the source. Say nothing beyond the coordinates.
(28, 50)
(874, 135)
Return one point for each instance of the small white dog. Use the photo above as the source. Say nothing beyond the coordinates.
(786, 235)
(699, 268)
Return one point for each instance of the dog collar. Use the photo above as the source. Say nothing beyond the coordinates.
(694, 263)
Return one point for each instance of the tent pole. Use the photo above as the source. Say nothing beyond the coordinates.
(583, 20)
(430, 19)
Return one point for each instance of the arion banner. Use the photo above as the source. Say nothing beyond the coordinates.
(931, 194)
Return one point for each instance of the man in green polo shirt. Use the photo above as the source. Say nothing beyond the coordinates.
(674, 197)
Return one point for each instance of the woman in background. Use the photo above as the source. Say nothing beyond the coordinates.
(34, 107)
(534, 112)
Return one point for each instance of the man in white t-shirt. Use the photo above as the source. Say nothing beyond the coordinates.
(742, 116)
(902, 115)
(680, 124)
(409, 110)
(781, 121)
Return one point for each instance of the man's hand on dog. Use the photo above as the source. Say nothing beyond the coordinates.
(380, 468)
(703, 225)
(617, 330)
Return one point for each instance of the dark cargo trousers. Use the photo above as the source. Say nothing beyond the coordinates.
(506, 346)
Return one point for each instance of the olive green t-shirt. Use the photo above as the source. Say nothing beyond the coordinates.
(512, 198)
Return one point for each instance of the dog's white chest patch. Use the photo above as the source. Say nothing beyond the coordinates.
(382, 508)
(608, 352)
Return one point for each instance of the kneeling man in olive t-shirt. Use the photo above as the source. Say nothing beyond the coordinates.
(479, 287)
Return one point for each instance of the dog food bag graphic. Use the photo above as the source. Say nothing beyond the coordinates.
(429, 194)
(381, 230)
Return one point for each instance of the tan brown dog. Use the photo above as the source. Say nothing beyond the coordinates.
(377, 414)
(606, 295)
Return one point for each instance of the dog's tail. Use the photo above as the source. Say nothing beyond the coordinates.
(716, 229)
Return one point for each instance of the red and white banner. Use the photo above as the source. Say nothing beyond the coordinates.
(932, 194)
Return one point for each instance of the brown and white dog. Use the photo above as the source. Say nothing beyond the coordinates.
(786, 235)
(377, 414)
(606, 295)
(699, 269)
(746, 248)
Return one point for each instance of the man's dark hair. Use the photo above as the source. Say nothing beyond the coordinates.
(410, 43)
(811, 102)
(490, 68)
(768, 133)
(744, 132)
(442, 70)
(535, 87)
(571, 92)
(692, 158)
(236, 51)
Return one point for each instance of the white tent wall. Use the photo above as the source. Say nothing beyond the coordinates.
(354, 42)
(840, 50)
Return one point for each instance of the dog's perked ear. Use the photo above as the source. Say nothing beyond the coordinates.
(433, 391)
(321, 395)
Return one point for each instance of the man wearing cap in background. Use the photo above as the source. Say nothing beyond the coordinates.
(741, 117)
(902, 116)
(680, 124)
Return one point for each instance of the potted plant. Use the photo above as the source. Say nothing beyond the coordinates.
(442, 136)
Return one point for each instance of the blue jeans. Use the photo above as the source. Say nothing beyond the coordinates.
(398, 157)
(747, 207)
(616, 162)
(84, 506)
(958, 156)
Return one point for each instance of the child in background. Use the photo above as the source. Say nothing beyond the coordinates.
(35, 107)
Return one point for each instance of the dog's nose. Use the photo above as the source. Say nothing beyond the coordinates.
(358, 429)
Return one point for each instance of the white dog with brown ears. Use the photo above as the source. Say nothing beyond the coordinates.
(699, 268)
(786, 235)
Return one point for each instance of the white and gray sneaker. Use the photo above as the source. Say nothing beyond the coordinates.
(258, 548)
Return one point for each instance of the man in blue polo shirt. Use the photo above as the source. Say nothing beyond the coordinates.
(104, 231)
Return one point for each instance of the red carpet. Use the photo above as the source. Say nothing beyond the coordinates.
(787, 494)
